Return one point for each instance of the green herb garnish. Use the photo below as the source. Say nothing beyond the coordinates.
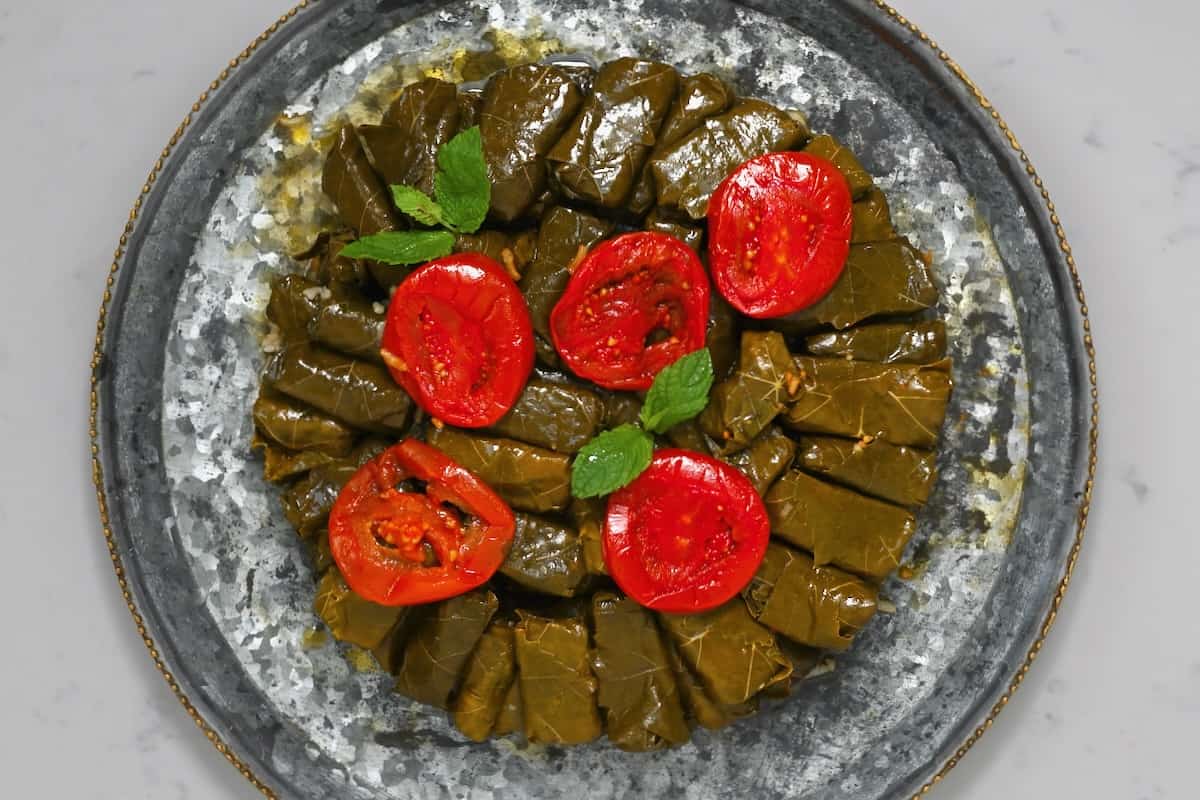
(462, 196)
(615, 457)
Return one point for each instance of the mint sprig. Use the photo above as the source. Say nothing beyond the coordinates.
(615, 457)
(462, 196)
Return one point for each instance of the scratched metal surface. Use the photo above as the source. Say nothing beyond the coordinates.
(228, 587)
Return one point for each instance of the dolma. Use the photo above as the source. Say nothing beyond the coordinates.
(358, 393)
(733, 655)
(404, 148)
(322, 556)
(490, 672)
(602, 151)
(328, 266)
(351, 618)
(351, 324)
(280, 464)
(510, 719)
(707, 712)
(839, 526)
(847, 163)
(689, 436)
(562, 235)
(700, 96)
(587, 515)
(879, 278)
(557, 416)
(308, 501)
(636, 686)
(294, 303)
(546, 557)
(901, 475)
(899, 403)
(691, 235)
(558, 690)
(886, 343)
(687, 172)
(297, 427)
(438, 649)
(360, 195)
(740, 407)
(822, 607)
(872, 218)
(528, 478)
(525, 111)
(510, 251)
(765, 459)
(722, 337)
(621, 408)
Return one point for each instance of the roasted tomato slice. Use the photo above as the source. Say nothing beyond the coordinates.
(398, 545)
(686, 535)
(459, 340)
(633, 305)
(779, 233)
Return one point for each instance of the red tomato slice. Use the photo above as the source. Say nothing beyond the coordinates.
(458, 338)
(399, 548)
(779, 233)
(633, 305)
(686, 535)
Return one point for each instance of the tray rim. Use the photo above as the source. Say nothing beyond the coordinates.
(890, 16)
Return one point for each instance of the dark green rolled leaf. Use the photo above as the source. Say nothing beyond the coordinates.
(879, 278)
(351, 618)
(587, 515)
(831, 149)
(887, 342)
(528, 478)
(822, 607)
(511, 717)
(546, 557)
(559, 416)
(461, 186)
(296, 426)
(401, 248)
(358, 393)
(360, 196)
(558, 689)
(734, 656)
(687, 172)
(525, 111)
(872, 219)
(898, 474)
(490, 673)
(689, 436)
(611, 460)
(438, 649)
(698, 703)
(602, 151)
(839, 526)
(621, 408)
(899, 403)
(350, 323)
(281, 464)
(741, 406)
(329, 268)
(404, 147)
(308, 501)
(637, 688)
(679, 392)
(294, 302)
(722, 339)
(765, 459)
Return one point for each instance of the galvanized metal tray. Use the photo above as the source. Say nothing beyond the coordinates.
(216, 579)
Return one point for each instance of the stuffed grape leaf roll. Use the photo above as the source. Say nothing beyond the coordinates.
(898, 474)
(351, 618)
(831, 149)
(765, 459)
(558, 689)
(546, 557)
(296, 426)
(350, 323)
(308, 501)
(839, 526)
(439, 647)
(886, 342)
(359, 194)
(404, 148)
(822, 607)
(528, 478)
(558, 416)
(740, 407)
(872, 220)
(490, 673)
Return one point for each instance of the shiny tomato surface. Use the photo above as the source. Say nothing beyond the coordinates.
(398, 547)
(779, 233)
(634, 304)
(458, 338)
(686, 535)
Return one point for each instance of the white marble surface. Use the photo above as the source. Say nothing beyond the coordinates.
(1102, 95)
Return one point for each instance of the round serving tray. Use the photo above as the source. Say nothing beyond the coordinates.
(218, 584)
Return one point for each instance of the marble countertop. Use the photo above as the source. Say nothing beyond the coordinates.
(1101, 94)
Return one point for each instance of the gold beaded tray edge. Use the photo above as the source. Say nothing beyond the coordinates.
(1089, 347)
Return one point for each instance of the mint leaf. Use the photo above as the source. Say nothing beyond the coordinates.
(402, 247)
(416, 204)
(679, 392)
(611, 460)
(461, 184)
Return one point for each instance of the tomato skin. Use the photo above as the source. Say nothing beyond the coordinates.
(625, 292)
(369, 508)
(779, 233)
(459, 340)
(686, 535)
